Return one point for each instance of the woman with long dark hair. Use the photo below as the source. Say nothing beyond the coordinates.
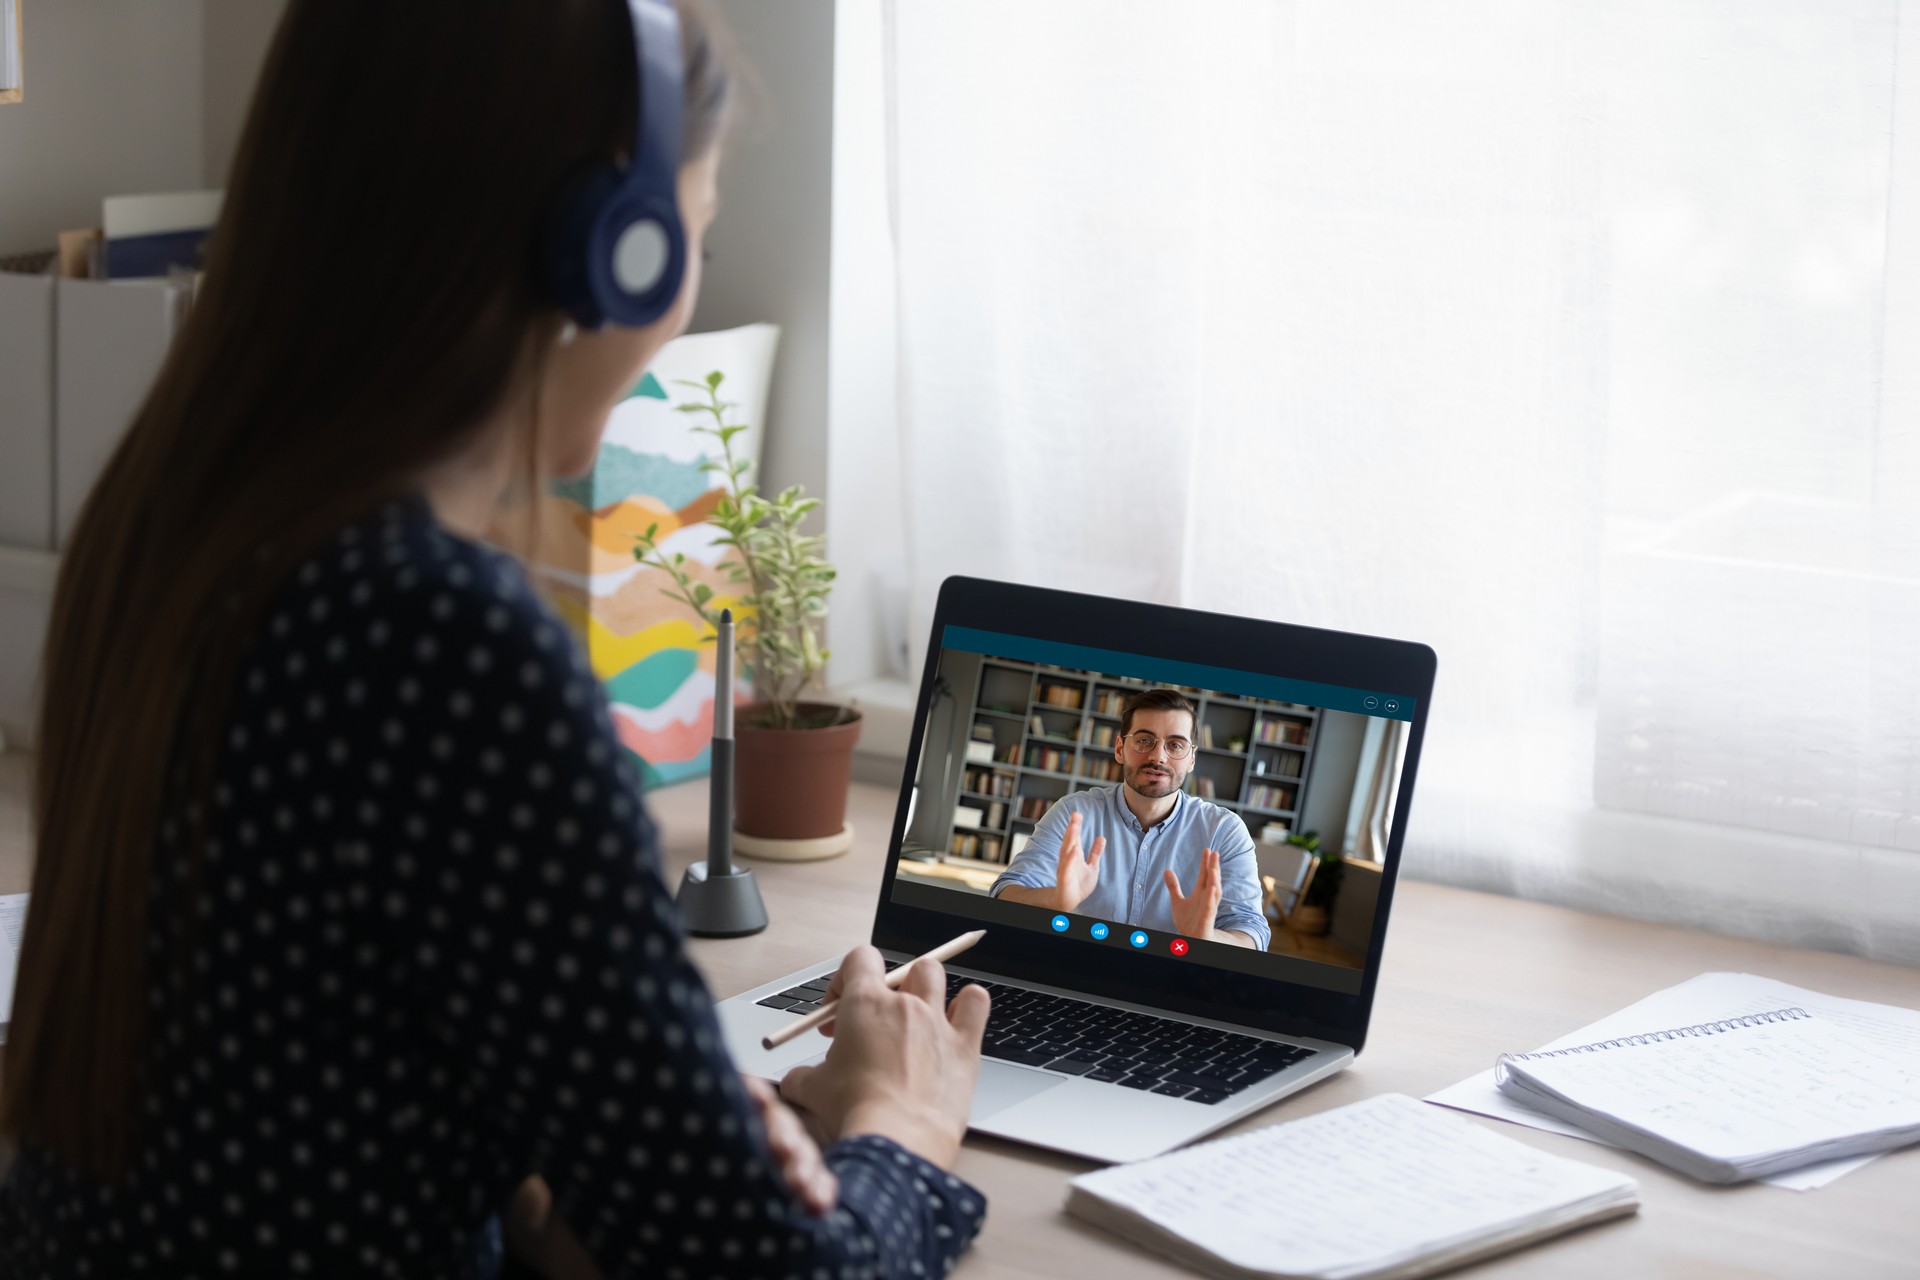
(347, 925)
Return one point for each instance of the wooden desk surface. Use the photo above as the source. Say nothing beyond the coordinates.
(1466, 975)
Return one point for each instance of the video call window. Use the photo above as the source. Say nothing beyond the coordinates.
(1294, 800)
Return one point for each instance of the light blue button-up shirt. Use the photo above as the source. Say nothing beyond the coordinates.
(1132, 889)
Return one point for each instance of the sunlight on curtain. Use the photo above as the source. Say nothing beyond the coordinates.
(1552, 335)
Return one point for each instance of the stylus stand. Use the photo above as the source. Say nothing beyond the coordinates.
(716, 899)
(726, 906)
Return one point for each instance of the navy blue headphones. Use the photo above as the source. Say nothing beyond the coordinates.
(618, 252)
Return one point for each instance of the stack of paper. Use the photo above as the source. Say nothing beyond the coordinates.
(1730, 1100)
(1386, 1188)
(1853, 1037)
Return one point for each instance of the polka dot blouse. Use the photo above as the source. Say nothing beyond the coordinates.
(429, 953)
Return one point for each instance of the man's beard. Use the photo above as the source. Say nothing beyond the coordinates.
(1153, 785)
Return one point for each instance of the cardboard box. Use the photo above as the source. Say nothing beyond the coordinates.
(26, 411)
(110, 337)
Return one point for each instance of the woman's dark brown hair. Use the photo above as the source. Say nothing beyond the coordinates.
(371, 298)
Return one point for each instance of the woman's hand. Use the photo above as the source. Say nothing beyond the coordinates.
(537, 1236)
(794, 1151)
(903, 1063)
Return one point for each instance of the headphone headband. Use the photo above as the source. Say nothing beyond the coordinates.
(618, 250)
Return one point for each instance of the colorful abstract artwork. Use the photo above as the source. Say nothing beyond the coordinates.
(646, 648)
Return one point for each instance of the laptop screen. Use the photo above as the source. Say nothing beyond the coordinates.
(1203, 815)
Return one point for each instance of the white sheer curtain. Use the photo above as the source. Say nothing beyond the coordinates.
(1573, 339)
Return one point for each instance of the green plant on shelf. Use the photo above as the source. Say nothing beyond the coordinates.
(1326, 878)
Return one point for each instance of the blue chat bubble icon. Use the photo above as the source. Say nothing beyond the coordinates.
(1138, 937)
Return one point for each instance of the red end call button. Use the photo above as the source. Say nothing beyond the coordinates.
(1178, 946)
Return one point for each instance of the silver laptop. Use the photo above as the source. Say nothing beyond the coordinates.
(1247, 785)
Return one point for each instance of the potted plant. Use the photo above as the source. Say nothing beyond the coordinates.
(793, 757)
(1315, 912)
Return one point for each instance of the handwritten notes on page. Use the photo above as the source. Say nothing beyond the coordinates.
(1387, 1186)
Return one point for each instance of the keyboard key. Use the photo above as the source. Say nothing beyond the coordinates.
(1172, 1090)
(1025, 1057)
(778, 1002)
(1210, 1084)
(1071, 1066)
(1208, 1098)
(1107, 1073)
(1138, 1081)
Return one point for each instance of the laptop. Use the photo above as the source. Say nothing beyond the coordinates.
(1115, 1033)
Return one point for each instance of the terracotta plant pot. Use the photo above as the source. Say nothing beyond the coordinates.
(791, 784)
(1311, 921)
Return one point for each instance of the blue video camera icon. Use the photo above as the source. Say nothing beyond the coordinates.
(1060, 924)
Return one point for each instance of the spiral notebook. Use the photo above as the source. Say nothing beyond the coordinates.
(1730, 1100)
(1384, 1189)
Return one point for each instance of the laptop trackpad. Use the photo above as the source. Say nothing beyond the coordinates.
(1002, 1085)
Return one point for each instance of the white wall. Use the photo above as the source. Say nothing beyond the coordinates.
(769, 245)
(167, 87)
(802, 239)
(234, 39)
(112, 107)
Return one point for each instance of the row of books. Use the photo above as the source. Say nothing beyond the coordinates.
(1286, 766)
(1033, 808)
(987, 782)
(1038, 728)
(1262, 796)
(1100, 770)
(1293, 732)
(985, 847)
(1203, 787)
(972, 816)
(1062, 695)
(1050, 758)
(1101, 735)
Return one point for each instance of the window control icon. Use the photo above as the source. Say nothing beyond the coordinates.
(1178, 946)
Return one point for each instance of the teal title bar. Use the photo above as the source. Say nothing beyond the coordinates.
(1139, 666)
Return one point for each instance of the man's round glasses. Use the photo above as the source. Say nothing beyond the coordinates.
(1144, 743)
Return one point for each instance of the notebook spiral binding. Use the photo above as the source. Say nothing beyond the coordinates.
(1794, 1014)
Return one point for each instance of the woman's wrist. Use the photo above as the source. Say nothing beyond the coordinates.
(925, 1138)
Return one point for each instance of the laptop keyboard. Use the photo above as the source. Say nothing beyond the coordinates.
(1098, 1042)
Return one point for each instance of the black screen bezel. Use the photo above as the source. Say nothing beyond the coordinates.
(1364, 662)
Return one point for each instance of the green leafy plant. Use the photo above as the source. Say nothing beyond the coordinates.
(1326, 879)
(783, 579)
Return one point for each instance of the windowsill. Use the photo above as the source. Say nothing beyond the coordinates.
(886, 709)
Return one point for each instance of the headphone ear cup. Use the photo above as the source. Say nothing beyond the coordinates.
(639, 257)
(571, 236)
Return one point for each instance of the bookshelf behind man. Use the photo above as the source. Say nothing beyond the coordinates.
(1036, 732)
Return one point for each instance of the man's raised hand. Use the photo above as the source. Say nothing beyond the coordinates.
(1078, 873)
(1193, 913)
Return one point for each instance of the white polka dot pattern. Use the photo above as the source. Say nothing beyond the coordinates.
(427, 952)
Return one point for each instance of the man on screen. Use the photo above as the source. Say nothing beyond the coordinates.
(1144, 852)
